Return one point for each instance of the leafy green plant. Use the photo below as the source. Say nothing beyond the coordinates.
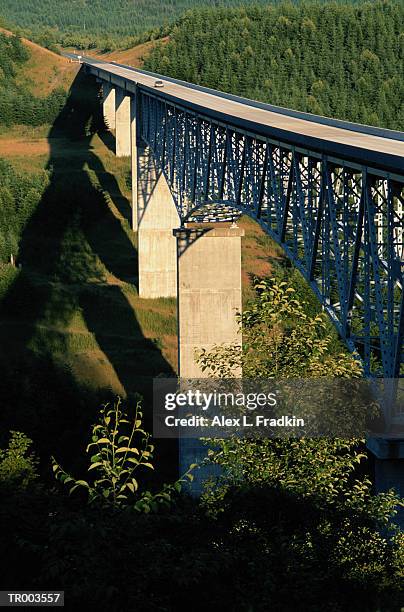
(293, 499)
(280, 340)
(119, 451)
(18, 466)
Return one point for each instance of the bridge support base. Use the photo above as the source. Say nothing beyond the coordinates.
(193, 450)
(157, 217)
(209, 295)
(108, 105)
(122, 124)
(389, 468)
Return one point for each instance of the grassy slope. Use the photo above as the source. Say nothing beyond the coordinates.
(132, 57)
(109, 337)
(157, 318)
(45, 70)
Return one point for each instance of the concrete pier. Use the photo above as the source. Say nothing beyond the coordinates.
(134, 161)
(122, 124)
(389, 474)
(157, 217)
(209, 291)
(209, 296)
(389, 467)
(108, 105)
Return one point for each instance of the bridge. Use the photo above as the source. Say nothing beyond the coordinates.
(329, 192)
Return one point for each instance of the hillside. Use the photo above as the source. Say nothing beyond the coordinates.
(33, 82)
(72, 328)
(97, 23)
(44, 70)
(344, 61)
(102, 24)
(134, 56)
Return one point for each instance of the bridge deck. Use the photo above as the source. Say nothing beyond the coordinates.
(360, 146)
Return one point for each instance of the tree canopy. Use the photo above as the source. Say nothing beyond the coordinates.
(337, 60)
(88, 23)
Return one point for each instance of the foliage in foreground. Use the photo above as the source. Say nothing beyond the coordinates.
(118, 451)
(312, 501)
(300, 549)
(296, 521)
(18, 464)
(280, 339)
(311, 496)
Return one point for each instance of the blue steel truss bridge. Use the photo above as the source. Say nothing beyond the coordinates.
(329, 192)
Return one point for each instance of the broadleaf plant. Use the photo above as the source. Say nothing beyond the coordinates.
(119, 451)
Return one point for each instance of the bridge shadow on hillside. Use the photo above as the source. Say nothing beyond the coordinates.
(78, 265)
(108, 140)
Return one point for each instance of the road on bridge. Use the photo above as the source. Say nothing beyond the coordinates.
(363, 144)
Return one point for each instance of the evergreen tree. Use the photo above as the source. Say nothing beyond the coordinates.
(342, 60)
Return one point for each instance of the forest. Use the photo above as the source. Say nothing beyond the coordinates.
(344, 61)
(17, 104)
(99, 23)
(19, 196)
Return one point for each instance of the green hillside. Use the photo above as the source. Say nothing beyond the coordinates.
(17, 102)
(97, 23)
(343, 61)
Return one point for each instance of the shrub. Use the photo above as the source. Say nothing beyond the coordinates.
(18, 466)
(119, 450)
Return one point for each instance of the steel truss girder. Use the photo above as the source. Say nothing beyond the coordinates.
(340, 224)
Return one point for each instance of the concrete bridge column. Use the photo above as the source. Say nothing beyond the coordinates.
(389, 474)
(157, 217)
(209, 291)
(134, 160)
(389, 467)
(108, 105)
(209, 296)
(122, 123)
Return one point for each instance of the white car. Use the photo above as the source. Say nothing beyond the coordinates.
(158, 83)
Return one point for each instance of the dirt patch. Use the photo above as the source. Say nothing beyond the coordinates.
(170, 350)
(17, 148)
(30, 147)
(257, 250)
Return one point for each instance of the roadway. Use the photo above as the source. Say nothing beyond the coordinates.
(352, 141)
